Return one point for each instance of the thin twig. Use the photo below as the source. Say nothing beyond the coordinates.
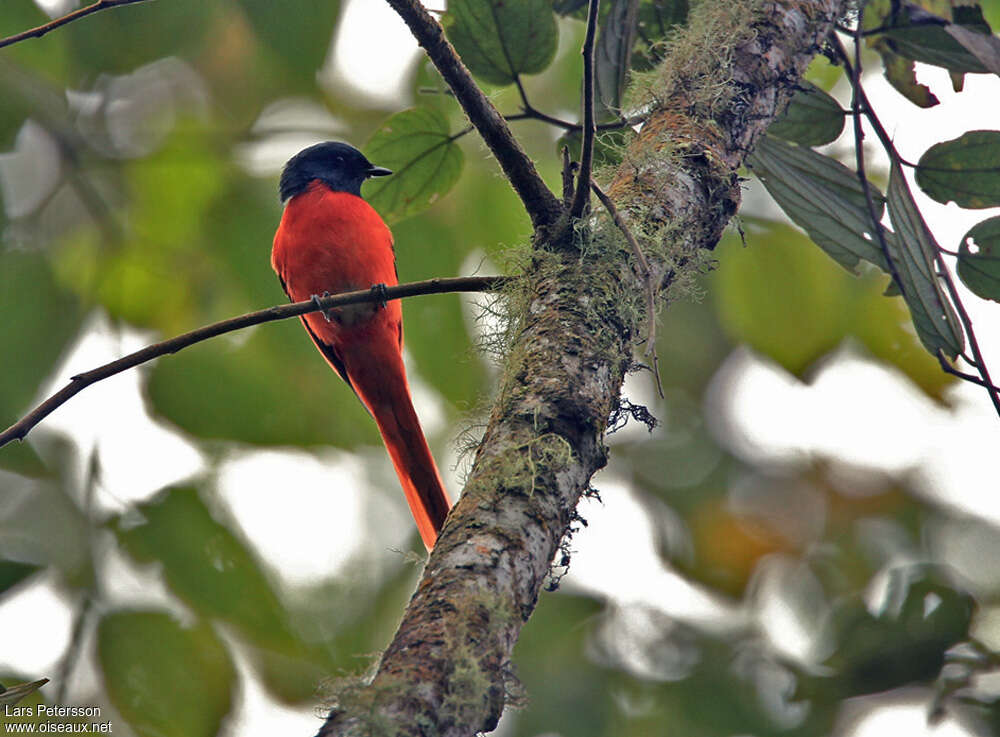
(582, 196)
(80, 382)
(971, 378)
(531, 113)
(963, 315)
(647, 280)
(41, 30)
(542, 205)
(854, 73)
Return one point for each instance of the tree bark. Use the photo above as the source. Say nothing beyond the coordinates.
(448, 669)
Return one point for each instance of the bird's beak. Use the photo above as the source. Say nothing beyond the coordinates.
(379, 171)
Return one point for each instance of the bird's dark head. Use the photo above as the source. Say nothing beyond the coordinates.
(340, 166)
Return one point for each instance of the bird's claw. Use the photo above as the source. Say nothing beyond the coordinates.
(327, 314)
(380, 293)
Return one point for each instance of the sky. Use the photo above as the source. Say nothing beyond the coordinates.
(870, 416)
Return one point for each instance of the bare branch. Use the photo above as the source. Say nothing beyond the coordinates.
(78, 383)
(542, 205)
(587, 146)
(41, 30)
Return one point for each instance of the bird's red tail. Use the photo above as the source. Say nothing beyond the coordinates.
(388, 399)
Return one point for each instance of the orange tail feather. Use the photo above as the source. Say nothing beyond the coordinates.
(382, 386)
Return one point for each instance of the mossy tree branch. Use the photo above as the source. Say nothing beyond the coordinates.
(447, 670)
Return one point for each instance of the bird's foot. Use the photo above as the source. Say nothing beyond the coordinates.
(327, 314)
(380, 293)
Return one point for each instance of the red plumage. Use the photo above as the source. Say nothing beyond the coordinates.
(334, 241)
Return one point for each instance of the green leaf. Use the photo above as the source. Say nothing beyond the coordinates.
(205, 564)
(965, 170)
(782, 297)
(40, 321)
(434, 330)
(822, 196)
(142, 33)
(12, 573)
(979, 259)
(788, 301)
(500, 39)
(812, 118)
(298, 32)
(935, 320)
(902, 74)
(166, 680)
(271, 388)
(425, 160)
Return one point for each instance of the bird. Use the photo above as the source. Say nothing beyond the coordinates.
(331, 240)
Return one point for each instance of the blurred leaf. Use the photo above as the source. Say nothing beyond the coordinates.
(344, 623)
(12, 573)
(166, 252)
(933, 316)
(755, 288)
(299, 32)
(979, 269)
(45, 55)
(39, 522)
(924, 616)
(965, 170)
(565, 7)
(12, 694)
(166, 680)
(822, 196)
(500, 39)
(121, 39)
(812, 118)
(21, 458)
(424, 158)
(268, 387)
(690, 323)
(46, 319)
(205, 564)
(613, 56)
(434, 328)
(552, 644)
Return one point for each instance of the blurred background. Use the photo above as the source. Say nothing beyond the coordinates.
(196, 547)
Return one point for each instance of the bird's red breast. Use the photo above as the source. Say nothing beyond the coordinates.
(335, 242)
